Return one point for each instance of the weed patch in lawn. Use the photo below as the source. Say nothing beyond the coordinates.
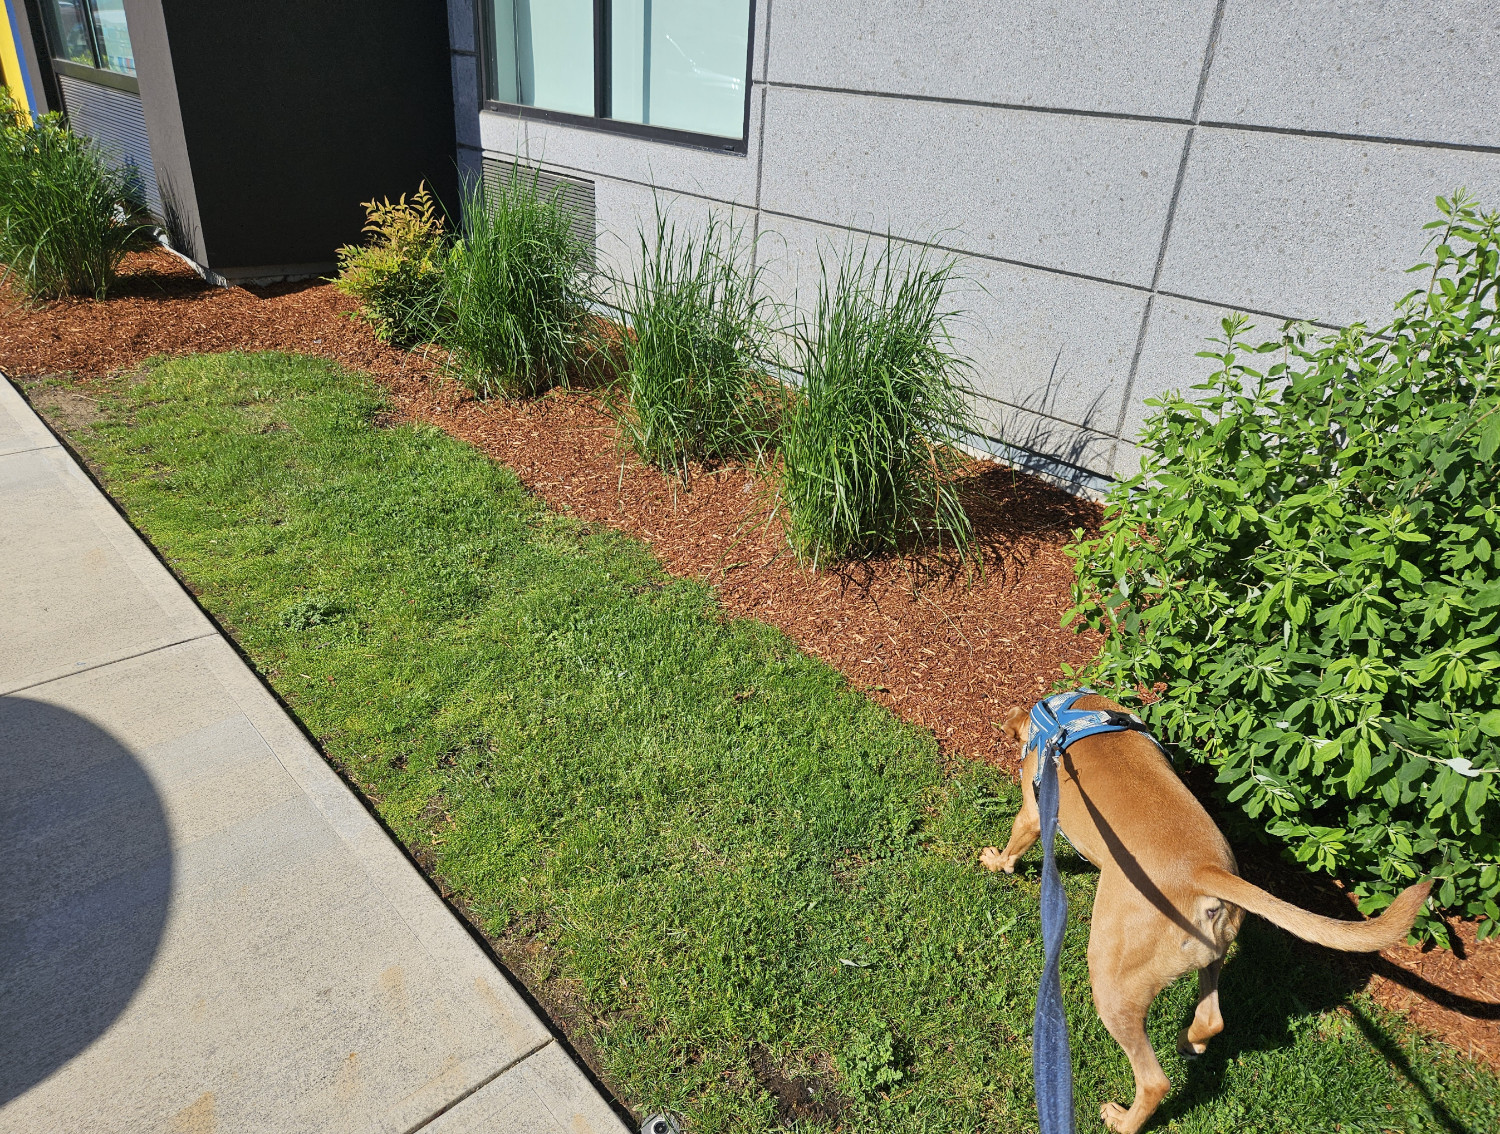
(757, 887)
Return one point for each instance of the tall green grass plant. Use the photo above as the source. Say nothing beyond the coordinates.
(516, 288)
(695, 384)
(68, 216)
(866, 459)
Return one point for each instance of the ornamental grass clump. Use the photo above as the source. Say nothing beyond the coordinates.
(516, 288)
(397, 274)
(1308, 570)
(68, 215)
(867, 463)
(695, 385)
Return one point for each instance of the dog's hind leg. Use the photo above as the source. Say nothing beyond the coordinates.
(1207, 1021)
(1025, 831)
(1128, 966)
(1124, 1014)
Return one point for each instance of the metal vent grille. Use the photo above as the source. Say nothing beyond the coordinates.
(576, 196)
(117, 122)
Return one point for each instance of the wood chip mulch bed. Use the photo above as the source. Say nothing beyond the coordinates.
(947, 646)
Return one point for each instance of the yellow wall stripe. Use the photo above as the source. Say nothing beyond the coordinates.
(17, 81)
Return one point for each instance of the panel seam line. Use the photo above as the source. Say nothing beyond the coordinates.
(760, 142)
(1126, 116)
(422, 1124)
(1166, 232)
(34, 449)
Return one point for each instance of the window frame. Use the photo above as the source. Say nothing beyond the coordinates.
(600, 120)
(99, 76)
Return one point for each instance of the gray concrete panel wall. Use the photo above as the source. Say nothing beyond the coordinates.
(1132, 57)
(1113, 178)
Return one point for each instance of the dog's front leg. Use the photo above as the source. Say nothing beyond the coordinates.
(1025, 831)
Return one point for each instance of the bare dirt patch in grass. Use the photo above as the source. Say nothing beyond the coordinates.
(65, 408)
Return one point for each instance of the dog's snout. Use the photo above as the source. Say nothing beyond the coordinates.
(1016, 723)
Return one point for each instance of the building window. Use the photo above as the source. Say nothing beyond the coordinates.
(663, 68)
(90, 33)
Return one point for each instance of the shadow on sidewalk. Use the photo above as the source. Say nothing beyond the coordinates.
(85, 883)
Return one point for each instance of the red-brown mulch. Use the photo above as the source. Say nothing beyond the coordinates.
(1454, 995)
(946, 646)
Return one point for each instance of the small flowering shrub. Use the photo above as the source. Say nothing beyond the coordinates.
(1307, 569)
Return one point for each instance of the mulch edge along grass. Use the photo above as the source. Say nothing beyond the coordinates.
(944, 653)
(744, 890)
(949, 650)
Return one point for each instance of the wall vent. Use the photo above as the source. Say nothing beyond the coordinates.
(577, 196)
(116, 120)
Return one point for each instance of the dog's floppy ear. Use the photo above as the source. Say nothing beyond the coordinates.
(1016, 723)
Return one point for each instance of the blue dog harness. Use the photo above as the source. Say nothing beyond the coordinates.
(1055, 724)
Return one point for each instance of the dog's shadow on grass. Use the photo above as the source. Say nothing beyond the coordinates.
(1269, 986)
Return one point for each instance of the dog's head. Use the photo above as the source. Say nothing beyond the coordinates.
(1016, 723)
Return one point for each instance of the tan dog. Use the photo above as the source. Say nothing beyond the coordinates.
(1170, 898)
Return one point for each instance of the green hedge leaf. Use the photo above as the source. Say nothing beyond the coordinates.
(1306, 568)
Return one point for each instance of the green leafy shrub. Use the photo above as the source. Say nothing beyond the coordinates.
(695, 386)
(865, 439)
(397, 274)
(516, 288)
(12, 115)
(68, 216)
(1308, 570)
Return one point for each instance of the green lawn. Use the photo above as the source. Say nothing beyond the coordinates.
(724, 858)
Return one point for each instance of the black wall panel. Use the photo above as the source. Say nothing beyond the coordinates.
(295, 111)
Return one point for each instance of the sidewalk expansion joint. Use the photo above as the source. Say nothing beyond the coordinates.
(479, 1086)
(104, 663)
(33, 449)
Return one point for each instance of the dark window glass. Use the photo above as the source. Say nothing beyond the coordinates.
(68, 25)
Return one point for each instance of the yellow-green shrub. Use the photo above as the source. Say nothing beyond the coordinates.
(397, 274)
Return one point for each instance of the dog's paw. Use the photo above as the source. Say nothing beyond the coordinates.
(1187, 1048)
(991, 859)
(1115, 1117)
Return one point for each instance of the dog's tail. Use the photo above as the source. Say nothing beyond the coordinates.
(1390, 928)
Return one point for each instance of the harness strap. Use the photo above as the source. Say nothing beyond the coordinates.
(1056, 725)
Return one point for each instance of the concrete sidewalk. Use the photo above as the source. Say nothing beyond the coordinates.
(201, 929)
